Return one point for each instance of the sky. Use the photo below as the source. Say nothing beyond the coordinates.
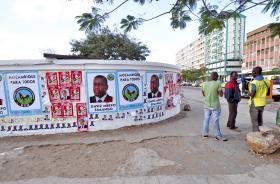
(28, 28)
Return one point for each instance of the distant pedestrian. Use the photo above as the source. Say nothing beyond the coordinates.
(233, 96)
(211, 91)
(259, 89)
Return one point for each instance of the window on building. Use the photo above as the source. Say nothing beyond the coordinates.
(258, 52)
(272, 49)
(254, 63)
(276, 48)
(262, 62)
(266, 50)
(263, 41)
(262, 51)
(259, 42)
(267, 39)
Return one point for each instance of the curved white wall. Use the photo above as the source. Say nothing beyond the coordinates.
(28, 103)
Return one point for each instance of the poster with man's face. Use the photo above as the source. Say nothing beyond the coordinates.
(24, 93)
(101, 91)
(3, 103)
(130, 90)
(155, 90)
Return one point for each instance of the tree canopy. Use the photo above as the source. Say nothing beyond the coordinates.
(210, 14)
(193, 75)
(106, 44)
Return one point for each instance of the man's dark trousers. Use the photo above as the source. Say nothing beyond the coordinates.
(232, 109)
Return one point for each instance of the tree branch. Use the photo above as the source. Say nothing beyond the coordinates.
(256, 4)
(192, 12)
(240, 6)
(228, 5)
(164, 13)
(205, 5)
(262, 3)
(107, 13)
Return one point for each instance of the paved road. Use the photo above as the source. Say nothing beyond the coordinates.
(171, 151)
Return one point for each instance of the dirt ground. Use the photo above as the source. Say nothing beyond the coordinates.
(172, 147)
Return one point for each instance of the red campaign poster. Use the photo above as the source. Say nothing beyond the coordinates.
(54, 94)
(57, 110)
(75, 93)
(82, 124)
(67, 110)
(81, 109)
(51, 78)
(76, 78)
(64, 79)
(65, 93)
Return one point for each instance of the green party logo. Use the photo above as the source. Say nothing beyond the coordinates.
(110, 77)
(24, 97)
(130, 92)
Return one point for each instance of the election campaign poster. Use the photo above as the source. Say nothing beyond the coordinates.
(24, 93)
(52, 79)
(75, 93)
(64, 78)
(130, 87)
(76, 78)
(54, 94)
(155, 88)
(3, 103)
(81, 109)
(101, 92)
(67, 110)
(56, 109)
(82, 119)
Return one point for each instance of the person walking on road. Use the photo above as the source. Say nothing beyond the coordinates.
(233, 96)
(258, 89)
(211, 91)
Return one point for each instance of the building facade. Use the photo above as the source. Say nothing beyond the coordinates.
(191, 56)
(224, 48)
(261, 49)
(219, 51)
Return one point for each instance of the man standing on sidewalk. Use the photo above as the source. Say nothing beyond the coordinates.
(258, 89)
(233, 96)
(211, 91)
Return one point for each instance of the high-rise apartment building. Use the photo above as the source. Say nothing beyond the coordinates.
(224, 48)
(191, 56)
(219, 51)
(261, 49)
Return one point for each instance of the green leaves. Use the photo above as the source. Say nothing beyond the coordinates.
(275, 29)
(274, 6)
(179, 19)
(130, 23)
(110, 45)
(91, 21)
(208, 13)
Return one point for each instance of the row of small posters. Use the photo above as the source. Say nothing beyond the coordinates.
(104, 91)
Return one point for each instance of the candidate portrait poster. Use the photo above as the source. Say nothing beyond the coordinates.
(130, 86)
(101, 92)
(155, 88)
(24, 93)
(3, 102)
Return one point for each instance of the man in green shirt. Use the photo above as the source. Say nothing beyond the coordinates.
(211, 91)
